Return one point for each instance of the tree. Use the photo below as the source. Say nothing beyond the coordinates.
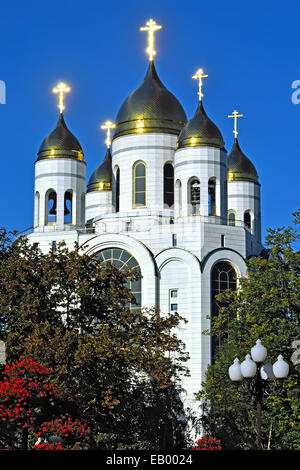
(67, 311)
(266, 307)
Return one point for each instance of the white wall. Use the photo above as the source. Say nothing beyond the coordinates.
(203, 163)
(244, 196)
(61, 175)
(98, 203)
(152, 149)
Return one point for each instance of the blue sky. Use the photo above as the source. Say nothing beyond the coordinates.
(250, 50)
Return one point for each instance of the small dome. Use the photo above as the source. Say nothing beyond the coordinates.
(60, 143)
(239, 166)
(150, 108)
(102, 176)
(200, 130)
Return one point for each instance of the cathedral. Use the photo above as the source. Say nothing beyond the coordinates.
(167, 199)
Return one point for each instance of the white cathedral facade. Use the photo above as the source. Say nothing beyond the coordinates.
(167, 199)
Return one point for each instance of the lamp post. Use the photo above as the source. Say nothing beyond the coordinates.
(258, 376)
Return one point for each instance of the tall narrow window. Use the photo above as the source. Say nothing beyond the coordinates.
(168, 186)
(118, 190)
(223, 277)
(212, 196)
(51, 207)
(36, 209)
(68, 207)
(82, 209)
(178, 198)
(195, 196)
(139, 185)
(247, 219)
(231, 219)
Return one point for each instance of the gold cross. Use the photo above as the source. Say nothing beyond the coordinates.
(151, 27)
(235, 115)
(61, 89)
(108, 125)
(198, 76)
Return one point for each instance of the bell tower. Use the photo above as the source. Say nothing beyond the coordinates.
(60, 172)
(201, 166)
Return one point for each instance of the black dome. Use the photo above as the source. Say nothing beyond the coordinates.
(60, 143)
(200, 130)
(102, 176)
(239, 166)
(153, 104)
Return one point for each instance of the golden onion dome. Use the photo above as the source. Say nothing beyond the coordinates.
(60, 143)
(240, 168)
(200, 131)
(150, 108)
(101, 178)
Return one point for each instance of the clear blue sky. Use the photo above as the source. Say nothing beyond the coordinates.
(250, 51)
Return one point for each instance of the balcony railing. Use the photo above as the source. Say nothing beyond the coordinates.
(134, 223)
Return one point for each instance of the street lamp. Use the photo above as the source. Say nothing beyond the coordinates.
(258, 377)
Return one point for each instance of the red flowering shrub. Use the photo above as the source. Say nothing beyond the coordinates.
(31, 409)
(21, 389)
(68, 434)
(207, 443)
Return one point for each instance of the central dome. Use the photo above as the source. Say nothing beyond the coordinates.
(150, 108)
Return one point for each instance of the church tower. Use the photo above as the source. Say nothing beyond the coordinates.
(99, 193)
(200, 166)
(147, 127)
(59, 178)
(243, 188)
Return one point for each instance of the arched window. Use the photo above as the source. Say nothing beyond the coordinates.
(139, 185)
(247, 219)
(212, 196)
(231, 218)
(121, 259)
(194, 196)
(168, 185)
(118, 190)
(68, 207)
(223, 277)
(51, 207)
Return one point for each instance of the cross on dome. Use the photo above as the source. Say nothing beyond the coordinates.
(198, 76)
(151, 28)
(61, 89)
(108, 125)
(235, 115)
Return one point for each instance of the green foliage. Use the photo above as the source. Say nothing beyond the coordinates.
(68, 312)
(267, 306)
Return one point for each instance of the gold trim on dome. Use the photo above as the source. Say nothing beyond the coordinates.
(103, 186)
